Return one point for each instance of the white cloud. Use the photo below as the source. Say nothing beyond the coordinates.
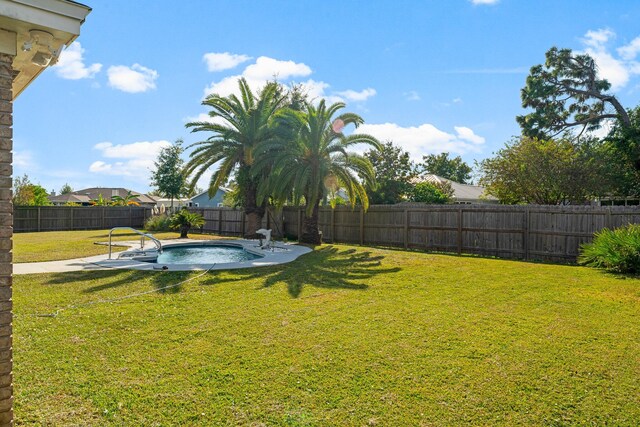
(426, 138)
(412, 95)
(142, 149)
(618, 71)
(484, 1)
(467, 134)
(598, 38)
(23, 159)
(132, 79)
(223, 61)
(630, 51)
(71, 65)
(258, 74)
(138, 158)
(266, 68)
(352, 95)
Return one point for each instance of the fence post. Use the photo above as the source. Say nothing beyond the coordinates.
(361, 225)
(299, 223)
(608, 222)
(406, 228)
(526, 236)
(39, 218)
(72, 219)
(459, 230)
(242, 216)
(130, 218)
(102, 213)
(333, 225)
(220, 221)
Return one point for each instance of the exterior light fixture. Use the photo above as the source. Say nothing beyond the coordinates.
(41, 42)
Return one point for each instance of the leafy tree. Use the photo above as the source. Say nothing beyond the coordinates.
(548, 172)
(393, 171)
(565, 93)
(309, 160)
(25, 193)
(40, 196)
(22, 191)
(429, 192)
(168, 177)
(185, 220)
(66, 189)
(454, 169)
(241, 124)
(623, 141)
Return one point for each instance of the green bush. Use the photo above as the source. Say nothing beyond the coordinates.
(184, 220)
(158, 223)
(614, 250)
(428, 192)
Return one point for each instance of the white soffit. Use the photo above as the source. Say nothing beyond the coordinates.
(59, 18)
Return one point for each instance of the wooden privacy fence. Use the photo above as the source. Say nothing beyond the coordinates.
(552, 233)
(232, 222)
(532, 232)
(60, 218)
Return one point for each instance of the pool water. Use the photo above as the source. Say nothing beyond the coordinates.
(201, 254)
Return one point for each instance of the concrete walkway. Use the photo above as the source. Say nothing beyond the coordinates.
(102, 262)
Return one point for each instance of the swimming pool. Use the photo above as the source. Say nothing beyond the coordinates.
(201, 255)
(204, 254)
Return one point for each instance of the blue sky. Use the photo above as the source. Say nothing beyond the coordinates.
(432, 76)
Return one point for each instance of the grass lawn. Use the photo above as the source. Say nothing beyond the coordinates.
(57, 245)
(343, 336)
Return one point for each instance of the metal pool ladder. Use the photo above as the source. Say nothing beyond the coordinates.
(142, 237)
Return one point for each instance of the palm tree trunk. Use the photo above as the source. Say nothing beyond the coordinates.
(310, 231)
(253, 212)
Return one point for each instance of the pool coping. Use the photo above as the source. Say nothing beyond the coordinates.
(102, 262)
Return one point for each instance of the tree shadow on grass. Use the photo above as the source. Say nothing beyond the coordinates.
(327, 267)
(162, 281)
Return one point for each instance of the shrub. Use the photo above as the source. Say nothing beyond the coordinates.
(158, 223)
(614, 250)
(427, 192)
(184, 220)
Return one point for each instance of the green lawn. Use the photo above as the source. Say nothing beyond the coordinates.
(343, 336)
(57, 245)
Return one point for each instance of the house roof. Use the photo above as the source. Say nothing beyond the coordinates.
(205, 193)
(69, 198)
(461, 192)
(87, 194)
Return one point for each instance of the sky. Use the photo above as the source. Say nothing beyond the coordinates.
(432, 76)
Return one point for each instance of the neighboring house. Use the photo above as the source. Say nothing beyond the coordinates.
(462, 193)
(202, 200)
(616, 201)
(177, 203)
(84, 197)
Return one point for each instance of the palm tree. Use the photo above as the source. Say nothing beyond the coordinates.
(127, 200)
(309, 160)
(240, 125)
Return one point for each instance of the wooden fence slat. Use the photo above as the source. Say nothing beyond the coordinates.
(527, 232)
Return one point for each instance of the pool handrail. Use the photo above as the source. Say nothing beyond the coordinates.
(142, 236)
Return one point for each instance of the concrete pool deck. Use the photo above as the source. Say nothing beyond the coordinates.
(102, 262)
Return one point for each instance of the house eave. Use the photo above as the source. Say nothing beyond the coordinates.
(59, 18)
